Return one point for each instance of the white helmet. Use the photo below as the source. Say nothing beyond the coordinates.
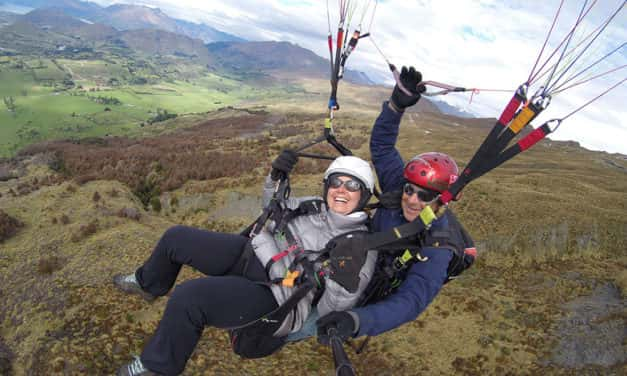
(353, 166)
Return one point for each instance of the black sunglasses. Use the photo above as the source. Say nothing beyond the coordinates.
(350, 185)
(425, 195)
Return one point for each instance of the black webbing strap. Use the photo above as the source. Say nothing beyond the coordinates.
(272, 210)
(260, 327)
(304, 208)
(308, 207)
(306, 284)
(415, 227)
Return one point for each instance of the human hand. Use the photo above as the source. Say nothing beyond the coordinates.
(342, 321)
(459, 262)
(283, 164)
(409, 78)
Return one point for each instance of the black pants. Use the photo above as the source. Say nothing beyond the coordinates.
(218, 300)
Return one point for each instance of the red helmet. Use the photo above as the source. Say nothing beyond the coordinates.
(435, 171)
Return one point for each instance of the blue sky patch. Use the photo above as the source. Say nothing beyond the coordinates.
(469, 31)
(294, 2)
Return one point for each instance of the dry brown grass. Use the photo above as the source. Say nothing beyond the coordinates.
(540, 246)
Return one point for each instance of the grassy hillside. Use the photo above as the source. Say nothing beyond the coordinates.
(544, 295)
(63, 98)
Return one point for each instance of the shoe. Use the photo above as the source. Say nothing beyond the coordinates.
(135, 368)
(128, 283)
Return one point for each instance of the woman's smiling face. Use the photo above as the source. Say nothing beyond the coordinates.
(340, 199)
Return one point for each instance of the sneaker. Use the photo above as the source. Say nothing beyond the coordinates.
(135, 368)
(128, 283)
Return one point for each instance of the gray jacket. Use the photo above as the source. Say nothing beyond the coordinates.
(312, 232)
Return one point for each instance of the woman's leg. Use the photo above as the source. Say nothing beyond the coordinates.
(221, 302)
(211, 253)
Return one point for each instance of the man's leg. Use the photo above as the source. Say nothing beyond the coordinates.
(222, 302)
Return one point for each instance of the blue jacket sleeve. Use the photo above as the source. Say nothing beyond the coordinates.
(424, 281)
(386, 159)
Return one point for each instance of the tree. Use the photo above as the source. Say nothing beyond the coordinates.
(10, 103)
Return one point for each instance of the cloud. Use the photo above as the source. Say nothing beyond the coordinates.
(488, 44)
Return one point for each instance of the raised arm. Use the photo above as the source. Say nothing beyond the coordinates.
(387, 160)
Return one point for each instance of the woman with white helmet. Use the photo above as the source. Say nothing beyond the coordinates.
(248, 278)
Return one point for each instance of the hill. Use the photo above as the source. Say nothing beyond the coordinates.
(67, 77)
(57, 20)
(282, 58)
(547, 283)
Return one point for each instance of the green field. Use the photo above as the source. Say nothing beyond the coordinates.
(45, 108)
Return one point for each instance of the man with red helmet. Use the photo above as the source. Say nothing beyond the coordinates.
(427, 175)
(445, 250)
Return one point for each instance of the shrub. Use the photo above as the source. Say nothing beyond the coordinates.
(8, 226)
(162, 115)
(57, 164)
(155, 203)
(85, 231)
(207, 151)
(64, 219)
(96, 197)
(174, 201)
(49, 265)
(146, 191)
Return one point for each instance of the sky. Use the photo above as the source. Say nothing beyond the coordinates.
(486, 44)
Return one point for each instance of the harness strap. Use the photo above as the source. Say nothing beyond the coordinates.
(260, 327)
(308, 207)
(417, 226)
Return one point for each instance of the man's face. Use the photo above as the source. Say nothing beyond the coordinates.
(412, 204)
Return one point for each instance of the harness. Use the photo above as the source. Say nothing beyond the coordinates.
(396, 258)
(304, 281)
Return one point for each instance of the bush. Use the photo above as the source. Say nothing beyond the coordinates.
(146, 191)
(162, 115)
(49, 265)
(180, 157)
(8, 226)
(174, 201)
(85, 231)
(155, 203)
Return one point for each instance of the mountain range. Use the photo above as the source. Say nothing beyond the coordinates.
(79, 26)
(131, 17)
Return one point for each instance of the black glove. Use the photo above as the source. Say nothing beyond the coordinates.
(458, 264)
(342, 321)
(410, 79)
(283, 164)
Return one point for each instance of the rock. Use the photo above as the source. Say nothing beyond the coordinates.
(6, 173)
(593, 332)
(130, 213)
